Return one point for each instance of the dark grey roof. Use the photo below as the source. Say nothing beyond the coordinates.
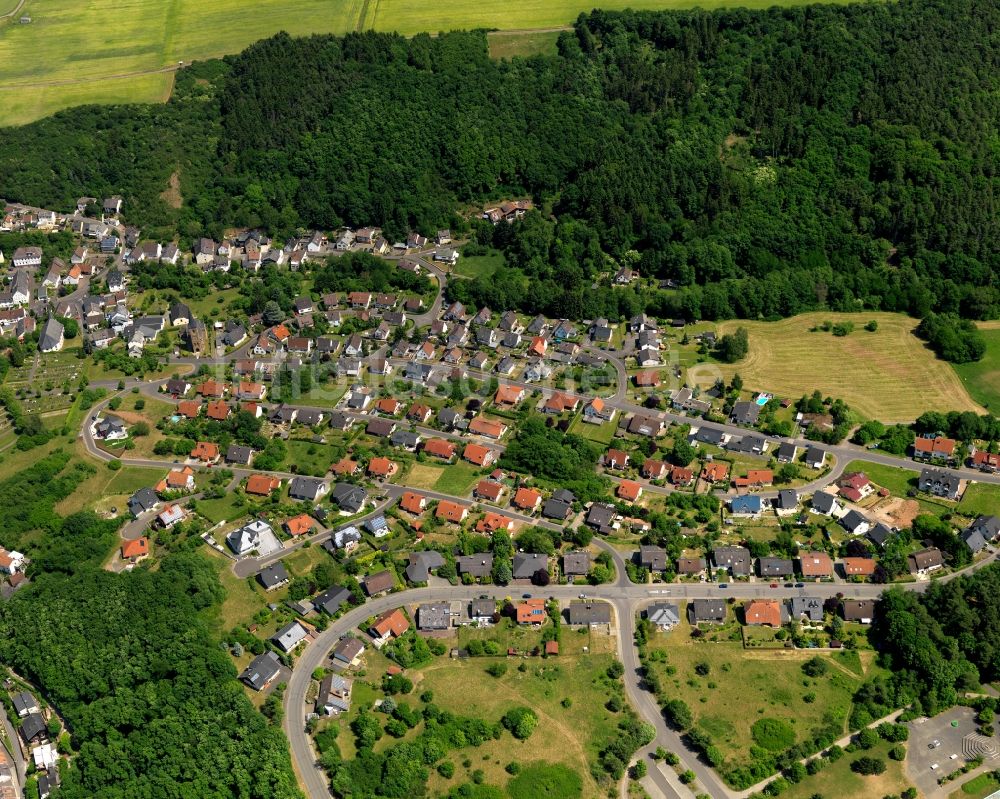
(706, 610)
(823, 502)
(815, 455)
(527, 563)
(809, 606)
(589, 613)
(974, 540)
(736, 559)
(142, 500)
(482, 608)
(434, 616)
(775, 567)
(237, 454)
(858, 609)
(33, 727)
(852, 520)
(746, 412)
(347, 649)
(879, 534)
(274, 575)
(786, 451)
(261, 671)
(987, 526)
(308, 488)
(331, 600)
(653, 558)
(51, 334)
(479, 564)
(24, 703)
(421, 564)
(348, 496)
(555, 509)
(709, 435)
(788, 498)
(576, 563)
(600, 515)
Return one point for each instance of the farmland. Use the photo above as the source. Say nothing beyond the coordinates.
(889, 374)
(74, 54)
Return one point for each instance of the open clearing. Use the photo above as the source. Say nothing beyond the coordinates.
(887, 375)
(96, 51)
(769, 684)
(982, 378)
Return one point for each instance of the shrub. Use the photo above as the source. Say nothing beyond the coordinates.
(520, 721)
(868, 765)
(446, 769)
(867, 738)
(496, 669)
(897, 752)
(815, 667)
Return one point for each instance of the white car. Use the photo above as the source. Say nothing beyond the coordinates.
(934, 766)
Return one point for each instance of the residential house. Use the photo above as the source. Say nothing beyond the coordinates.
(478, 566)
(745, 413)
(601, 517)
(439, 448)
(334, 695)
(926, 560)
(273, 576)
(628, 490)
(775, 567)
(787, 501)
(390, 624)
(652, 558)
(665, 615)
(449, 511)
(559, 505)
(707, 611)
(247, 538)
(825, 503)
(939, 483)
(288, 638)
(527, 564)
(530, 611)
(745, 505)
(350, 498)
(348, 651)
(597, 411)
(422, 563)
(434, 616)
(588, 614)
(379, 583)
(479, 455)
(135, 550)
(859, 610)
(936, 448)
(815, 565)
(715, 472)
(307, 489)
(302, 524)
(763, 612)
(815, 458)
(809, 607)
(855, 523)
(859, 567)
(489, 490)
(736, 560)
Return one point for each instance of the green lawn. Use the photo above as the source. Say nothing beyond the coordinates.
(313, 459)
(601, 433)
(982, 378)
(228, 508)
(981, 498)
(897, 480)
(476, 265)
(457, 479)
(978, 787)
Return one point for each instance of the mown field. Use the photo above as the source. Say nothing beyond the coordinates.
(888, 375)
(99, 51)
(982, 378)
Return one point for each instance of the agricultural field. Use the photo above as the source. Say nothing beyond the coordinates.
(982, 378)
(769, 682)
(887, 375)
(74, 54)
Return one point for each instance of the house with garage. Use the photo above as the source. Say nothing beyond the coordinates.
(925, 561)
(861, 611)
(289, 637)
(736, 560)
(706, 611)
(665, 615)
(775, 568)
(422, 563)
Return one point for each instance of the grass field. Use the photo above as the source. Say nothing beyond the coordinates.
(770, 684)
(476, 265)
(981, 498)
(837, 779)
(888, 375)
(508, 44)
(982, 378)
(898, 481)
(977, 788)
(101, 52)
(457, 479)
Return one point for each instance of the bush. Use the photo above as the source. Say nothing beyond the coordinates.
(446, 769)
(897, 752)
(114, 465)
(496, 669)
(520, 721)
(513, 768)
(867, 738)
(868, 766)
(815, 667)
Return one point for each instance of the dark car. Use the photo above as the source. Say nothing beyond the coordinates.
(525, 596)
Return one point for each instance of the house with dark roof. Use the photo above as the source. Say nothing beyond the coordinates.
(815, 458)
(775, 567)
(601, 517)
(939, 483)
(824, 503)
(434, 616)
(348, 497)
(588, 613)
(143, 500)
(478, 565)
(379, 583)
(422, 563)
(33, 728)
(652, 558)
(855, 523)
(307, 489)
(745, 413)
(810, 607)
(706, 611)
(576, 564)
(981, 532)
(736, 560)
(879, 534)
(788, 500)
(332, 599)
(274, 576)
(926, 560)
(859, 610)
(348, 651)
(261, 671)
(526, 564)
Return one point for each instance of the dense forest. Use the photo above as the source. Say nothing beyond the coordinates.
(765, 162)
(130, 662)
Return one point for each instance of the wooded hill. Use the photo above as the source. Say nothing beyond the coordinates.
(770, 162)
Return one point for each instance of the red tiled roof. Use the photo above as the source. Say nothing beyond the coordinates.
(262, 484)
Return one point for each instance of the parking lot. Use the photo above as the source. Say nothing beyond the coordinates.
(947, 756)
